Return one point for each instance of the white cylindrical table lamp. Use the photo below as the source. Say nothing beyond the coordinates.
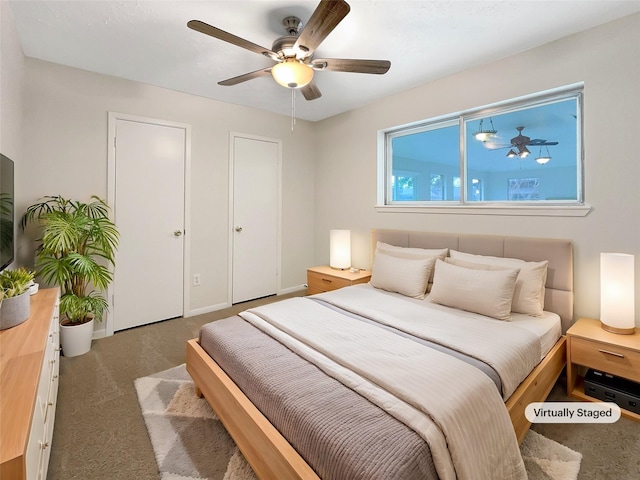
(340, 249)
(617, 306)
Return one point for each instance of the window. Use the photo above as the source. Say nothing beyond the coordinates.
(526, 152)
(524, 189)
(437, 187)
(476, 192)
(402, 186)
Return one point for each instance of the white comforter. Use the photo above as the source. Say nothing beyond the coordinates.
(454, 407)
(512, 351)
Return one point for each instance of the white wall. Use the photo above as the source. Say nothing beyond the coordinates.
(65, 148)
(12, 71)
(11, 80)
(65, 152)
(606, 59)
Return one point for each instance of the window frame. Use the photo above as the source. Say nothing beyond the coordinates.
(576, 207)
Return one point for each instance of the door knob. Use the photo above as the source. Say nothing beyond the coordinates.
(177, 233)
(238, 229)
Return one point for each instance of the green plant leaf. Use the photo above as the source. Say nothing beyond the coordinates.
(76, 247)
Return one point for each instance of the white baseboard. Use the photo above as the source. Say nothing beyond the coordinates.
(210, 308)
(220, 306)
(297, 288)
(101, 333)
(207, 309)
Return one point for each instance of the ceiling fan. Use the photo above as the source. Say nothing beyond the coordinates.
(520, 143)
(294, 52)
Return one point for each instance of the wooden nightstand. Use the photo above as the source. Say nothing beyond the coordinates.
(588, 345)
(324, 278)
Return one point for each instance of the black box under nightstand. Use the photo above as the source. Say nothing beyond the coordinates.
(609, 388)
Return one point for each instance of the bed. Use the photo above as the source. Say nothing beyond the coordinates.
(266, 447)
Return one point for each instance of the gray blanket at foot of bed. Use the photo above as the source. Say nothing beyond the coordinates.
(340, 434)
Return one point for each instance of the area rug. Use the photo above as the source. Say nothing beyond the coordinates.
(190, 442)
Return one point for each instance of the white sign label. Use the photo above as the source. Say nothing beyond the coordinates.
(572, 412)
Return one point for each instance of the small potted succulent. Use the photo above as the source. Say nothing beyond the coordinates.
(14, 287)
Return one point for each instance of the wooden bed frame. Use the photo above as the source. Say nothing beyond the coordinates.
(269, 453)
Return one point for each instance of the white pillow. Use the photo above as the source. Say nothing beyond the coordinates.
(412, 252)
(407, 276)
(528, 296)
(487, 292)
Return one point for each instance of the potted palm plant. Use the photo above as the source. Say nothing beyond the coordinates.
(76, 249)
(14, 296)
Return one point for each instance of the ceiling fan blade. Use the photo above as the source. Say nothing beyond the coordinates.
(215, 32)
(538, 142)
(379, 67)
(489, 145)
(311, 91)
(243, 78)
(324, 19)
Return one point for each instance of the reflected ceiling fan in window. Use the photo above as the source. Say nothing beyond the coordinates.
(518, 145)
(293, 53)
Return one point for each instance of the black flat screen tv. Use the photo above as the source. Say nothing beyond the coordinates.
(7, 248)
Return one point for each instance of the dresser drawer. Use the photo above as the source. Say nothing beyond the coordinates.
(606, 357)
(325, 283)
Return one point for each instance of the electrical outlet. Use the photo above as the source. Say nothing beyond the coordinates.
(196, 279)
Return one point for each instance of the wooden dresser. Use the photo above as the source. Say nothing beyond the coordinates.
(324, 279)
(29, 365)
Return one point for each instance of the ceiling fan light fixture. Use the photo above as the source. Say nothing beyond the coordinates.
(484, 135)
(524, 152)
(542, 159)
(292, 73)
(511, 153)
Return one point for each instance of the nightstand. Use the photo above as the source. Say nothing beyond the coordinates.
(324, 279)
(588, 345)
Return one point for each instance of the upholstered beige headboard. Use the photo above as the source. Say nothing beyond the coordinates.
(559, 253)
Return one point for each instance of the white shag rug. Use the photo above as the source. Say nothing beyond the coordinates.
(190, 442)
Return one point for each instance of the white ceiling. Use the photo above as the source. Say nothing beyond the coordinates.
(149, 42)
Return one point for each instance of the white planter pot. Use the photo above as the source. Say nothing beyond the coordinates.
(15, 310)
(76, 339)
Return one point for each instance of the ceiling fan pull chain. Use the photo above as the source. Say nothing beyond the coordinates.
(293, 108)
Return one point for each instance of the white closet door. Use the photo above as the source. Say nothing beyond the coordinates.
(255, 256)
(149, 212)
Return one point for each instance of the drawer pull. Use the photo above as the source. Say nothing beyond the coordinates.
(611, 353)
(326, 280)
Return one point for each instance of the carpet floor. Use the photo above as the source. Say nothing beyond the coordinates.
(190, 443)
(100, 434)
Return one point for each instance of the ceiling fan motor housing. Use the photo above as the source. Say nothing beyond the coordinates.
(283, 46)
(292, 25)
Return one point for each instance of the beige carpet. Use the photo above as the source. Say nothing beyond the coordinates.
(190, 443)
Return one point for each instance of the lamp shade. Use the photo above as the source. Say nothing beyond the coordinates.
(340, 249)
(617, 306)
(292, 73)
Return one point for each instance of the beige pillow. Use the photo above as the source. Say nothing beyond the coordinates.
(412, 252)
(472, 265)
(528, 296)
(487, 292)
(407, 276)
